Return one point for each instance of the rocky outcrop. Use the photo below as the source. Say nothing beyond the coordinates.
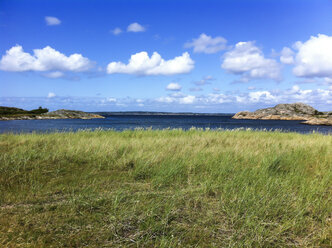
(71, 114)
(294, 111)
(319, 121)
(58, 114)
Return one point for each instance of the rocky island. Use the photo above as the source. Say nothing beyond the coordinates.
(9, 113)
(294, 111)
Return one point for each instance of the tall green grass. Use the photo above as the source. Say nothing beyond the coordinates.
(166, 188)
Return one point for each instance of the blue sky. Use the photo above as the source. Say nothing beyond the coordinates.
(209, 56)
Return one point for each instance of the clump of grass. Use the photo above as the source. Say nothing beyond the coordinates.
(166, 188)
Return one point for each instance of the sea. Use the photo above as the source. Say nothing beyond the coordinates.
(120, 122)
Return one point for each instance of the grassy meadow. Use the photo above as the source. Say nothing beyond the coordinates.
(166, 188)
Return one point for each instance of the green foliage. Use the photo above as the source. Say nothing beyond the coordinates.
(40, 110)
(166, 188)
(9, 111)
(318, 112)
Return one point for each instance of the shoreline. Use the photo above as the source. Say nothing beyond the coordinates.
(46, 118)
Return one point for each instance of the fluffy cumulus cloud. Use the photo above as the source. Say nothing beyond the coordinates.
(259, 96)
(52, 21)
(45, 59)
(314, 57)
(207, 44)
(287, 56)
(174, 87)
(135, 27)
(142, 64)
(248, 60)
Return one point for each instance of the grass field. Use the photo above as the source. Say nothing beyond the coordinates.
(166, 188)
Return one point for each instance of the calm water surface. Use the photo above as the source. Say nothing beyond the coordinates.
(123, 122)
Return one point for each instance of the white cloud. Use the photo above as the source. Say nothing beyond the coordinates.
(51, 95)
(247, 60)
(258, 96)
(207, 44)
(215, 98)
(187, 99)
(294, 94)
(165, 99)
(116, 31)
(108, 100)
(46, 59)
(135, 27)
(111, 99)
(229, 101)
(174, 87)
(287, 56)
(314, 57)
(52, 21)
(177, 98)
(240, 99)
(142, 64)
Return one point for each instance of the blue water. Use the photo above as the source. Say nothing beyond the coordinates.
(123, 122)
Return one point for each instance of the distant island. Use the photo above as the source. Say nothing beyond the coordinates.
(294, 111)
(10, 113)
(143, 113)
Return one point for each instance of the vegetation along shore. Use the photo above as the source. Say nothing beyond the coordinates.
(166, 188)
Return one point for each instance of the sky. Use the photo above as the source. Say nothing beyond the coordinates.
(175, 56)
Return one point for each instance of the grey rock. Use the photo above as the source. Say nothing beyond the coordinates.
(71, 114)
(294, 111)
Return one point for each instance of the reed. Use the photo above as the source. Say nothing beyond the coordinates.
(166, 188)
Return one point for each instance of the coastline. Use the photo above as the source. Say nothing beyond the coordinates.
(9, 113)
(39, 117)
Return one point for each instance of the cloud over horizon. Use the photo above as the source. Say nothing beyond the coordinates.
(318, 98)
